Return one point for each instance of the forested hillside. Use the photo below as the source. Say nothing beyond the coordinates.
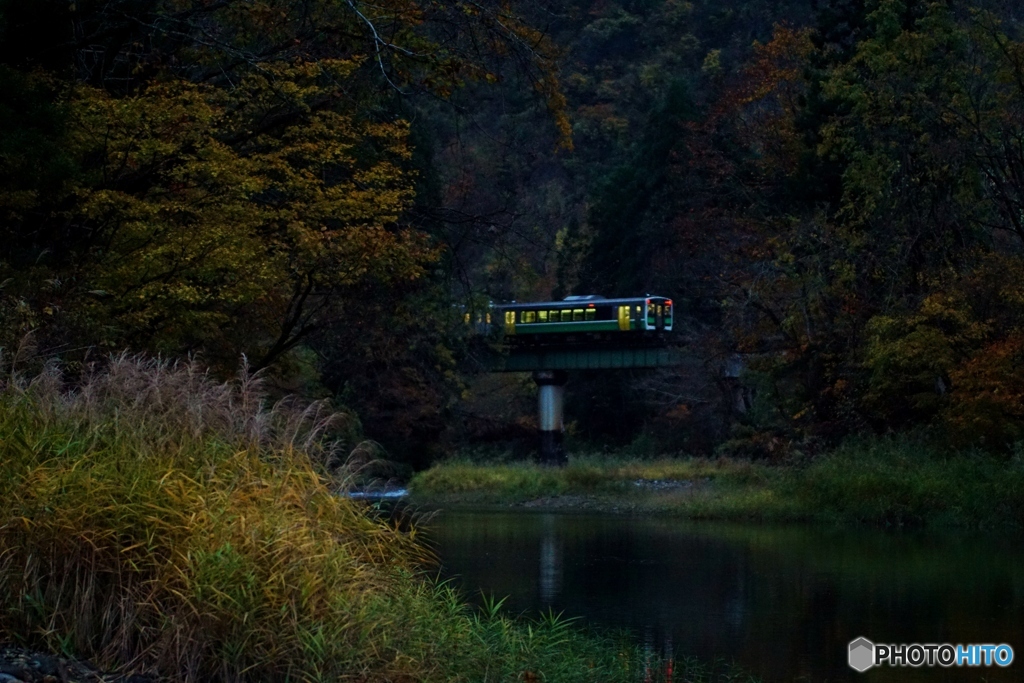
(831, 190)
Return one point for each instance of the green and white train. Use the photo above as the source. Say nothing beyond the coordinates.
(584, 317)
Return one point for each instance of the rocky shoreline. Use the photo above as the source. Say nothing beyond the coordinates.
(23, 665)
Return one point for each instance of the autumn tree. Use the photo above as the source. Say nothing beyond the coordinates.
(222, 176)
(880, 294)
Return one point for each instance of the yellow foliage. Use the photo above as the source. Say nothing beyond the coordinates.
(910, 357)
(206, 215)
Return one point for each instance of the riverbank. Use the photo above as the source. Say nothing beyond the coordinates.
(881, 483)
(169, 528)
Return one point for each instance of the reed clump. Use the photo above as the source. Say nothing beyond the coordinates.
(156, 520)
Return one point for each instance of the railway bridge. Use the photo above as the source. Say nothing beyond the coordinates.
(552, 338)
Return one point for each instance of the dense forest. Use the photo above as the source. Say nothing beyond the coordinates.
(831, 190)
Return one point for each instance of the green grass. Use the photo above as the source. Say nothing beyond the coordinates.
(884, 482)
(604, 480)
(899, 482)
(517, 482)
(156, 521)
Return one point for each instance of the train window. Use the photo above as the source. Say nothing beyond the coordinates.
(542, 316)
(529, 316)
(659, 309)
(566, 316)
(577, 314)
(591, 314)
(638, 310)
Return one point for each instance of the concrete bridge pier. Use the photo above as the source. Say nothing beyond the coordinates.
(550, 403)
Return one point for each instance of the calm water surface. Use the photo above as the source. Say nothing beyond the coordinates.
(783, 602)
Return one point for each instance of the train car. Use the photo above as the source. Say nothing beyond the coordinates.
(585, 317)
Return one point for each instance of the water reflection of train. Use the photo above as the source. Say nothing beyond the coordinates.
(580, 318)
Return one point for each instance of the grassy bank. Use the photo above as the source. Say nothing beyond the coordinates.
(882, 482)
(156, 521)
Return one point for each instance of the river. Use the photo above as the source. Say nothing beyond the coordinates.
(783, 602)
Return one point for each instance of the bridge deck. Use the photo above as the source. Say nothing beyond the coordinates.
(528, 359)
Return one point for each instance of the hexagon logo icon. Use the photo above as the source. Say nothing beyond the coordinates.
(862, 654)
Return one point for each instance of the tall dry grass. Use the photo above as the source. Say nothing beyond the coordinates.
(171, 405)
(155, 520)
(160, 519)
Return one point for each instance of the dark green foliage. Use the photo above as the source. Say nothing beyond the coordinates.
(629, 205)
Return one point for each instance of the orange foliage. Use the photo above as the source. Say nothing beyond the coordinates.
(987, 405)
(769, 96)
(778, 67)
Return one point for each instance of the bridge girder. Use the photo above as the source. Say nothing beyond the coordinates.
(529, 359)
